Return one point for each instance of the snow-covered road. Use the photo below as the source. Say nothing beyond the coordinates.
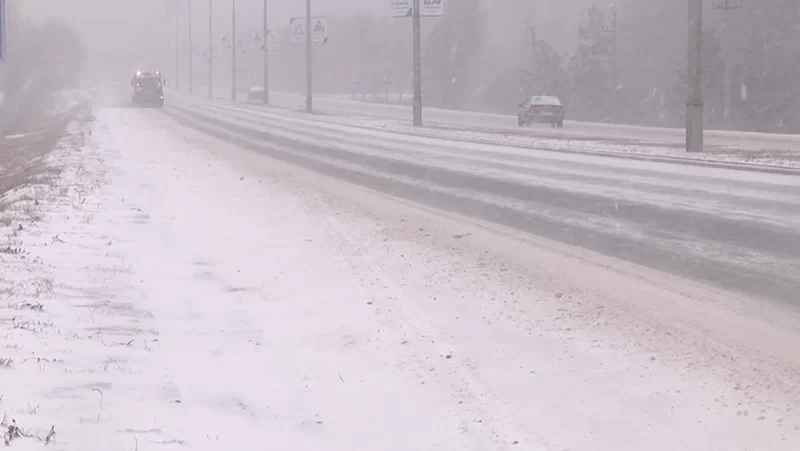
(178, 290)
(735, 229)
(637, 136)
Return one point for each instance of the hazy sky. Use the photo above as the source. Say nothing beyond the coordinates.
(119, 31)
(108, 25)
(117, 25)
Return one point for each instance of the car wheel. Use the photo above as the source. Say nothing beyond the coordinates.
(520, 121)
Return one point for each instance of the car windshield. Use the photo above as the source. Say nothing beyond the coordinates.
(544, 101)
(150, 82)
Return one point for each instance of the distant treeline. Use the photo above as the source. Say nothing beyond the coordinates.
(640, 80)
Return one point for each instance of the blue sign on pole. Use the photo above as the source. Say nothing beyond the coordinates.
(3, 28)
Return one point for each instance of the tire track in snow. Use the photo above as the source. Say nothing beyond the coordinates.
(377, 173)
(487, 424)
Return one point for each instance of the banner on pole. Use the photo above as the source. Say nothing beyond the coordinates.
(319, 29)
(427, 8)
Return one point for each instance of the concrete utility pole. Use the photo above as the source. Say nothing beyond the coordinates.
(726, 7)
(417, 64)
(210, 49)
(177, 49)
(309, 72)
(266, 57)
(233, 55)
(4, 25)
(535, 47)
(167, 37)
(614, 31)
(191, 50)
(694, 104)
(614, 62)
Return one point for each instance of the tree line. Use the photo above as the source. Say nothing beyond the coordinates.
(41, 59)
(633, 69)
(633, 73)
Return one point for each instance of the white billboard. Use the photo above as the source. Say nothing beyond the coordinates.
(319, 29)
(427, 8)
(258, 41)
(273, 41)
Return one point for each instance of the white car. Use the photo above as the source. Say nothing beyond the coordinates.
(255, 95)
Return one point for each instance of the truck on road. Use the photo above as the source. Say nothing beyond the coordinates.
(148, 89)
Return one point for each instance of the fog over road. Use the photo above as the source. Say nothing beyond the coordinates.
(216, 274)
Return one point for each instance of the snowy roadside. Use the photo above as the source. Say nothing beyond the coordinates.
(41, 190)
(760, 149)
(126, 326)
(24, 153)
(176, 290)
(763, 157)
(642, 148)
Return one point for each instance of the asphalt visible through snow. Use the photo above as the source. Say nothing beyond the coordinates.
(731, 229)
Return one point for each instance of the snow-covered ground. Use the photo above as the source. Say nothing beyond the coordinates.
(175, 291)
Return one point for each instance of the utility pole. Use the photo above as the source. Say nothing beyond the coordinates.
(309, 72)
(210, 49)
(417, 64)
(191, 49)
(614, 62)
(535, 47)
(167, 37)
(233, 56)
(694, 104)
(177, 49)
(614, 31)
(726, 7)
(266, 57)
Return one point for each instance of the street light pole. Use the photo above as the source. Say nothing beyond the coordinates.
(309, 72)
(266, 57)
(177, 49)
(694, 104)
(417, 65)
(233, 56)
(727, 7)
(614, 49)
(614, 31)
(210, 49)
(191, 50)
(535, 47)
